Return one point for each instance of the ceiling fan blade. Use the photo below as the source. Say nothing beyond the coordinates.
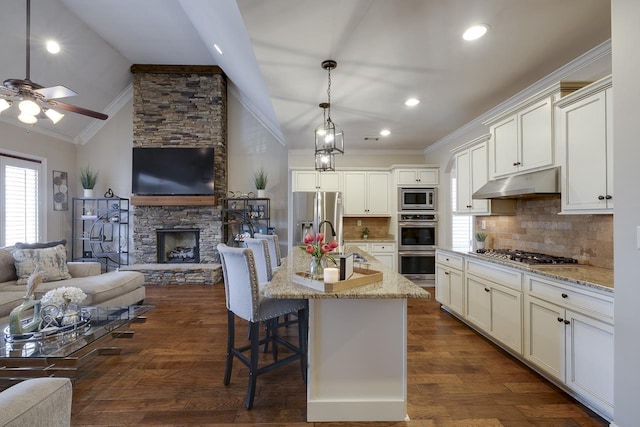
(55, 92)
(78, 110)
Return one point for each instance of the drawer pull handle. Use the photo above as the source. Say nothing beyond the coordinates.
(567, 322)
(446, 272)
(600, 197)
(560, 319)
(447, 259)
(565, 296)
(487, 290)
(608, 197)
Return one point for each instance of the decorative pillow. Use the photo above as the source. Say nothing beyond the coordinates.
(53, 261)
(42, 245)
(7, 266)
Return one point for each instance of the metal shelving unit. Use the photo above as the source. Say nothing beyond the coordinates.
(240, 215)
(100, 231)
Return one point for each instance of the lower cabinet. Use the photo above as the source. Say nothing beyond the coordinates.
(575, 348)
(383, 252)
(495, 309)
(450, 288)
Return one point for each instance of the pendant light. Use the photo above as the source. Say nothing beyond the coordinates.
(328, 139)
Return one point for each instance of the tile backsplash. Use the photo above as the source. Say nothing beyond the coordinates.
(537, 227)
(378, 227)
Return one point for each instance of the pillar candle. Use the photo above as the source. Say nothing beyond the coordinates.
(331, 275)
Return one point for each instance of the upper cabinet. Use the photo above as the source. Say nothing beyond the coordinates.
(472, 172)
(306, 180)
(522, 138)
(366, 193)
(417, 176)
(586, 147)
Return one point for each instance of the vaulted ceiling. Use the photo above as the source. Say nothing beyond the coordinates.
(272, 50)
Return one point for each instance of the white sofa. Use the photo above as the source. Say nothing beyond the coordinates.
(42, 402)
(108, 289)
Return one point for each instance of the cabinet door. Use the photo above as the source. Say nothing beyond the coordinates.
(589, 344)
(329, 181)
(304, 180)
(544, 336)
(442, 285)
(506, 317)
(378, 193)
(427, 176)
(478, 303)
(385, 258)
(463, 182)
(535, 136)
(355, 193)
(456, 291)
(479, 175)
(406, 177)
(584, 134)
(504, 147)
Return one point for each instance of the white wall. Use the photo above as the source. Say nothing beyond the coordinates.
(626, 108)
(60, 155)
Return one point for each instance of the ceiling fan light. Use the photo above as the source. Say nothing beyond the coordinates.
(54, 115)
(4, 104)
(27, 118)
(29, 107)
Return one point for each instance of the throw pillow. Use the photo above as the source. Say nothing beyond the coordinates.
(42, 245)
(53, 261)
(7, 266)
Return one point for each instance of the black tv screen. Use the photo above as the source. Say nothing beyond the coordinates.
(172, 171)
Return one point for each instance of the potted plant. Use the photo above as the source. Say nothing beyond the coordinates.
(365, 233)
(260, 179)
(88, 178)
(481, 236)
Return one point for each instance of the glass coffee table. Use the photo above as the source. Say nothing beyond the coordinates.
(61, 352)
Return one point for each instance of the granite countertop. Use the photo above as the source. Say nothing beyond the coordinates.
(392, 286)
(579, 274)
(388, 239)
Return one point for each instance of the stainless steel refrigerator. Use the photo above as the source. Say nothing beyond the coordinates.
(317, 211)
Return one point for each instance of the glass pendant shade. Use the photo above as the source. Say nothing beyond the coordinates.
(27, 118)
(325, 161)
(4, 104)
(29, 107)
(54, 115)
(328, 138)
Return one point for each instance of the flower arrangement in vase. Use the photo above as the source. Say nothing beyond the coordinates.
(65, 299)
(260, 179)
(318, 249)
(88, 179)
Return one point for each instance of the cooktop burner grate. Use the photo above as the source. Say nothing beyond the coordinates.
(525, 257)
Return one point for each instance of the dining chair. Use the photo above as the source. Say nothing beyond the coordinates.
(245, 299)
(274, 249)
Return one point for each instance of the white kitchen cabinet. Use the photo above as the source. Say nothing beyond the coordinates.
(569, 334)
(585, 133)
(523, 141)
(366, 193)
(471, 174)
(450, 281)
(383, 252)
(495, 309)
(305, 180)
(416, 176)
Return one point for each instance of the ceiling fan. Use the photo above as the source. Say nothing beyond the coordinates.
(35, 100)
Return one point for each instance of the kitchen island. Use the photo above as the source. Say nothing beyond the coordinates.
(357, 351)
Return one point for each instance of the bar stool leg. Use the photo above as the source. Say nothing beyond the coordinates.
(230, 343)
(253, 369)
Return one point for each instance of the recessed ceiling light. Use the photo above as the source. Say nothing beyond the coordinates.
(412, 102)
(53, 46)
(385, 132)
(218, 48)
(475, 32)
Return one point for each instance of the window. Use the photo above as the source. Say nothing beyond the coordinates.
(21, 201)
(461, 225)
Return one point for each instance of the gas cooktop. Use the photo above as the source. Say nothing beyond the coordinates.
(525, 257)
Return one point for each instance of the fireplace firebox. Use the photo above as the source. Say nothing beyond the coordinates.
(178, 245)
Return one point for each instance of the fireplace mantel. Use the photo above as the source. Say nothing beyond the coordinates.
(174, 200)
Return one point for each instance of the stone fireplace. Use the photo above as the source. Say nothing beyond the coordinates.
(179, 106)
(176, 245)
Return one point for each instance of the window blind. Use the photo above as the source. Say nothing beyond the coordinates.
(461, 225)
(20, 201)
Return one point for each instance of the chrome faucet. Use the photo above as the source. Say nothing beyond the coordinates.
(333, 230)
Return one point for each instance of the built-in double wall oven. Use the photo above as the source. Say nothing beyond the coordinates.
(417, 240)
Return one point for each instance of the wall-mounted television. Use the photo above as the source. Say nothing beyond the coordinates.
(172, 171)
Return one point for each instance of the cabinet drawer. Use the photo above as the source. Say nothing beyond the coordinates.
(383, 247)
(501, 275)
(569, 296)
(454, 261)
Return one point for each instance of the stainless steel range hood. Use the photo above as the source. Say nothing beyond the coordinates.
(530, 184)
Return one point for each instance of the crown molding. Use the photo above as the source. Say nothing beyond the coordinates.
(272, 128)
(112, 109)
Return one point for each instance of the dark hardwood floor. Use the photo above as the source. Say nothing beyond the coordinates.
(171, 373)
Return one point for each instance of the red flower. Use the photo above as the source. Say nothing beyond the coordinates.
(333, 244)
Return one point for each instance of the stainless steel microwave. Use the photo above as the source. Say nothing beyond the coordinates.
(416, 199)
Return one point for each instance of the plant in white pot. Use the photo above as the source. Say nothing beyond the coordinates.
(88, 179)
(260, 179)
(481, 236)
